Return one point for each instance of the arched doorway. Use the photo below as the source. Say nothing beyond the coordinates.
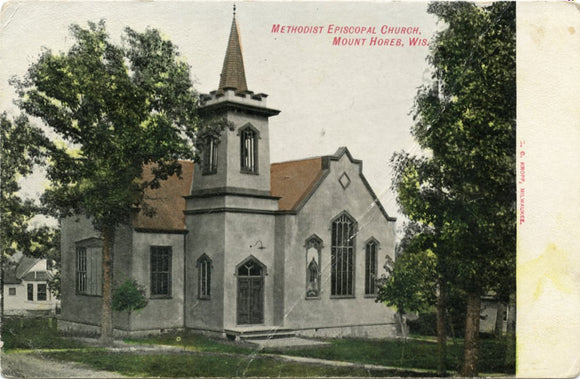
(250, 292)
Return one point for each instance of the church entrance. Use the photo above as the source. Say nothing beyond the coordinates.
(250, 292)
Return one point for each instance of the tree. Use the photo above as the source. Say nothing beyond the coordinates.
(115, 108)
(23, 148)
(464, 185)
(415, 284)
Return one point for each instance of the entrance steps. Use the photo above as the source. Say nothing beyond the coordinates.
(259, 333)
(272, 338)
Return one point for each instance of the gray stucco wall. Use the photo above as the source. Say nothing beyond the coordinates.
(327, 202)
(163, 312)
(243, 231)
(86, 309)
(206, 236)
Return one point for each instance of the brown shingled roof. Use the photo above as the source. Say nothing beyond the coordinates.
(233, 74)
(293, 181)
(167, 201)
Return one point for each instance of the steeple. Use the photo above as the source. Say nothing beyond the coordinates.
(233, 74)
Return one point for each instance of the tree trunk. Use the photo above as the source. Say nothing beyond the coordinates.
(106, 314)
(501, 309)
(2, 291)
(442, 328)
(471, 351)
(510, 354)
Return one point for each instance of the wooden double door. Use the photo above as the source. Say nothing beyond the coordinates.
(250, 309)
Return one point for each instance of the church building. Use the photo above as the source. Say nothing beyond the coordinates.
(239, 245)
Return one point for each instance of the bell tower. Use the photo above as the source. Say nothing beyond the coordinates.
(238, 162)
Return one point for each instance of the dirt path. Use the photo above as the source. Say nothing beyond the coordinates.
(19, 365)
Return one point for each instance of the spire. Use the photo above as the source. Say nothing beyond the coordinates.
(233, 74)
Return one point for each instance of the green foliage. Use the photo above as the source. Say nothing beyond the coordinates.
(411, 285)
(129, 296)
(116, 109)
(464, 186)
(24, 147)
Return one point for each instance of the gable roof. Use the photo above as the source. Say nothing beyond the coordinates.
(293, 181)
(167, 200)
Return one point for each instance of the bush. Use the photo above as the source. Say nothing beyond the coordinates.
(130, 296)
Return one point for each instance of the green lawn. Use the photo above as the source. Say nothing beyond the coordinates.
(411, 354)
(216, 357)
(34, 333)
(182, 365)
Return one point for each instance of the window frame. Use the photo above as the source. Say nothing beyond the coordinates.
(371, 267)
(249, 163)
(11, 291)
(157, 276)
(342, 279)
(30, 292)
(89, 267)
(204, 274)
(44, 292)
(210, 156)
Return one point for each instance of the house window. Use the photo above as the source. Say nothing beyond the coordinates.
(249, 150)
(12, 291)
(342, 256)
(210, 157)
(204, 267)
(30, 290)
(313, 251)
(89, 271)
(41, 292)
(161, 271)
(371, 267)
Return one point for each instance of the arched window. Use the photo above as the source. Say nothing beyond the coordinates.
(210, 156)
(204, 267)
(342, 256)
(371, 249)
(249, 150)
(313, 254)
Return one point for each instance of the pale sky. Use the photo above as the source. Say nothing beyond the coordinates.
(330, 96)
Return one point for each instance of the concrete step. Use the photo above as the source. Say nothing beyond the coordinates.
(260, 333)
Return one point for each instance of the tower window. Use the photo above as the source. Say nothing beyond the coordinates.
(342, 256)
(249, 150)
(210, 157)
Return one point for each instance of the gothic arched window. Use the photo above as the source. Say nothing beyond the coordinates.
(204, 267)
(371, 250)
(342, 256)
(249, 150)
(210, 156)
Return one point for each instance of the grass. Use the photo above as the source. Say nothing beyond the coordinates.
(411, 354)
(216, 357)
(180, 365)
(194, 342)
(34, 333)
